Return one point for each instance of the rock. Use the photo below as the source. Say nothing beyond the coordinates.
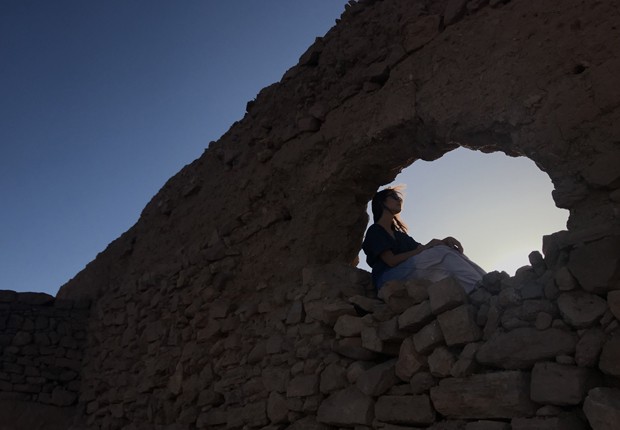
(459, 326)
(581, 309)
(455, 9)
(596, 265)
(417, 289)
(440, 362)
(602, 408)
(609, 362)
(466, 363)
(523, 347)
(613, 300)
(420, 32)
(351, 347)
(565, 280)
(428, 338)
(347, 408)
(445, 295)
(333, 378)
(305, 423)
(415, 317)
(348, 326)
(389, 331)
(62, 397)
(567, 421)
(589, 347)
(491, 395)
(408, 410)
(356, 369)
(277, 409)
(378, 379)
(303, 385)
(487, 425)
(395, 294)
(561, 385)
(409, 361)
(35, 299)
(371, 340)
(421, 382)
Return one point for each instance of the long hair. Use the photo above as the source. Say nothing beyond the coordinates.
(378, 206)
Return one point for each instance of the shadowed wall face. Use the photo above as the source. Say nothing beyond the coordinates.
(220, 248)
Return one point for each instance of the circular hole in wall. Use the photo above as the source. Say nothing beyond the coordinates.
(499, 207)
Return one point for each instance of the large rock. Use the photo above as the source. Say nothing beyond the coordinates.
(409, 360)
(562, 385)
(415, 317)
(523, 347)
(580, 309)
(378, 379)
(428, 338)
(602, 407)
(445, 295)
(566, 421)
(347, 408)
(408, 410)
(596, 265)
(491, 395)
(459, 325)
(609, 362)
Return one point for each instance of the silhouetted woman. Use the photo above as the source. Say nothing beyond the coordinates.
(394, 255)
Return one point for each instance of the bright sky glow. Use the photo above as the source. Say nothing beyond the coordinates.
(498, 207)
(102, 102)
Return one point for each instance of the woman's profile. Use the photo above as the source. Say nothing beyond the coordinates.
(394, 255)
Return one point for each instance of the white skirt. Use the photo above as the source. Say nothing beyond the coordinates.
(434, 264)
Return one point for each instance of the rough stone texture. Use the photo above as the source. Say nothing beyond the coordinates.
(347, 408)
(522, 347)
(408, 410)
(609, 362)
(562, 422)
(378, 379)
(192, 284)
(409, 361)
(415, 317)
(428, 338)
(562, 385)
(445, 295)
(589, 347)
(602, 407)
(581, 309)
(459, 326)
(492, 395)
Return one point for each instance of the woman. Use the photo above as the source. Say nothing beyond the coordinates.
(394, 255)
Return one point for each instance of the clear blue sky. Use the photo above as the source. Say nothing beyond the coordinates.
(102, 101)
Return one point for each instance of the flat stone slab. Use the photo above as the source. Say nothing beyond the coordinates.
(492, 395)
(409, 410)
(523, 347)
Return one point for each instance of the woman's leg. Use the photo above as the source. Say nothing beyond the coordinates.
(435, 264)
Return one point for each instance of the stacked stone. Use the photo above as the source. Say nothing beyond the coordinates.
(528, 352)
(41, 343)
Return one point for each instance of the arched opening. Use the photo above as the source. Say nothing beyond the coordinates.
(499, 207)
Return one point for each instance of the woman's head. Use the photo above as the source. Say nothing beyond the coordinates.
(387, 199)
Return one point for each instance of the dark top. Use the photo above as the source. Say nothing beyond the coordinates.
(378, 240)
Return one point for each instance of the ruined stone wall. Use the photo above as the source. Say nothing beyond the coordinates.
(41, 344)
(202, 317)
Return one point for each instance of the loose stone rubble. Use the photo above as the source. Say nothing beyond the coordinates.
(232, 302)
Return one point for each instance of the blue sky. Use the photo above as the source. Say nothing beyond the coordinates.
(102, 101)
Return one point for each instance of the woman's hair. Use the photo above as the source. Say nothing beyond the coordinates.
(378, 206)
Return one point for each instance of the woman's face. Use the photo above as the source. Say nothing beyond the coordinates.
(393, 202)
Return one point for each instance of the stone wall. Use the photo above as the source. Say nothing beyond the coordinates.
(217, 309)
(41, 345)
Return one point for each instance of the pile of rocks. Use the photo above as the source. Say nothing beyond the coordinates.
(41, 345)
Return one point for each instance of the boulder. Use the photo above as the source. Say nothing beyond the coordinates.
(459, 325)
(445, 295)
(378, 379)
(523, 347)
(428, 338)
(487, 396)
(602, 408)
(609, 362)
(581, 309)
(408, 410)
(347, 408)
(596, 265)
(562, 385)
